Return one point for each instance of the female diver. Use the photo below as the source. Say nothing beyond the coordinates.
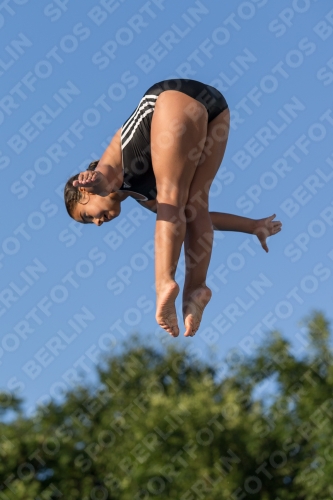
(166, 156)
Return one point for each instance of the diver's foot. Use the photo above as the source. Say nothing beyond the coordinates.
(166, 315)
(193, 307)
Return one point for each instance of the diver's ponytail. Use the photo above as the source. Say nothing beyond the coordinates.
(93, 165)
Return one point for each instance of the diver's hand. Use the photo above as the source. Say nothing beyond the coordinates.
(266, 227)
(93, 182)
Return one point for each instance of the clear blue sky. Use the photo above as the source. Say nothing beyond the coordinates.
(69, 78)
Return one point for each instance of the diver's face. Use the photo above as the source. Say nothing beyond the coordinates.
(95, 209)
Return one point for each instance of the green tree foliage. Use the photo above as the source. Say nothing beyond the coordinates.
(165, 426)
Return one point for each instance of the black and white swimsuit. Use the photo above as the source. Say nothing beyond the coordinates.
(135, 133)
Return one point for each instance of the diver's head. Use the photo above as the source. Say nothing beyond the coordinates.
(87, 207)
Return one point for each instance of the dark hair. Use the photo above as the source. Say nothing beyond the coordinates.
(72, 195)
